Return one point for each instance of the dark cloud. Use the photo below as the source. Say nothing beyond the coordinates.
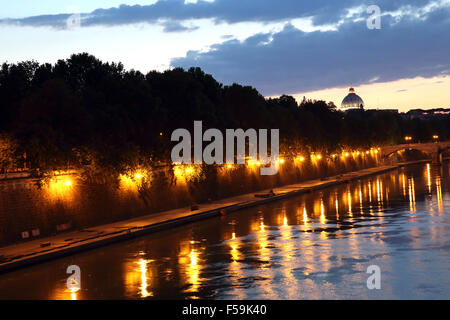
(58, 21)
(230, 11)
(295, 61)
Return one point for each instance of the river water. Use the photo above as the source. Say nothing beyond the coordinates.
(314, 246)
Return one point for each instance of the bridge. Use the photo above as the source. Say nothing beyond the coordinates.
(434, 149)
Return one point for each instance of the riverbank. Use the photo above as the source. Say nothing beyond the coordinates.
(24, 254)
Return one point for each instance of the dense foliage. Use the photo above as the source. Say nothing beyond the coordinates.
(81, 111)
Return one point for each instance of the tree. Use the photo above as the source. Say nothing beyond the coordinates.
(7, 153)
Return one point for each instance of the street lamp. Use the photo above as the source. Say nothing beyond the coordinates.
(408, 138)
(436, 137)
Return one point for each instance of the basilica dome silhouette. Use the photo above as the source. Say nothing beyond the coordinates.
(352, 101)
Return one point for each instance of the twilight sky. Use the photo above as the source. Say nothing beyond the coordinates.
(314, 48)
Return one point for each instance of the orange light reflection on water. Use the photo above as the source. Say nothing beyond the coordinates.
(439, 195)
(412, 195)
(429, 177)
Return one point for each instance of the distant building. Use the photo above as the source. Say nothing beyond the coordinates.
(428, 114)
(352, 101)
(380, 111)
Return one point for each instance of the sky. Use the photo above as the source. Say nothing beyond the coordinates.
(312, 48)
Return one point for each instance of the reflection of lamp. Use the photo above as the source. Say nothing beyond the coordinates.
(144, 279)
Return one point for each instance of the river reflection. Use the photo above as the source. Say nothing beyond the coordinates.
(315, 246)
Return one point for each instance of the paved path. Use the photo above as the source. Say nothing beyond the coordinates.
(31, 252)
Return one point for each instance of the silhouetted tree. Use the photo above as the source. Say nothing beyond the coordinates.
(84, 112)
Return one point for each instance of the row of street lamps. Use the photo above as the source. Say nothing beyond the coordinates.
(409, 138)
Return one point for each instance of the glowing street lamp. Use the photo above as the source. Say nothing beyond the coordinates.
(435, 137)
(408, 138)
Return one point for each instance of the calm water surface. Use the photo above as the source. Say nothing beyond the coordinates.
(316, 246)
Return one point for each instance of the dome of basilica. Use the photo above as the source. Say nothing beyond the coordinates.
(352, 101)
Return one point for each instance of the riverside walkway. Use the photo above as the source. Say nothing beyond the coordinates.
(27, 253)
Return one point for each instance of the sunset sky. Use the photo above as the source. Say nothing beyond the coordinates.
(304, 48)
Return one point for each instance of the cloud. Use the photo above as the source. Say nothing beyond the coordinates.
(58, 21)
(174, 26)
(227, 36)
(292, 61)
(229, 11)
